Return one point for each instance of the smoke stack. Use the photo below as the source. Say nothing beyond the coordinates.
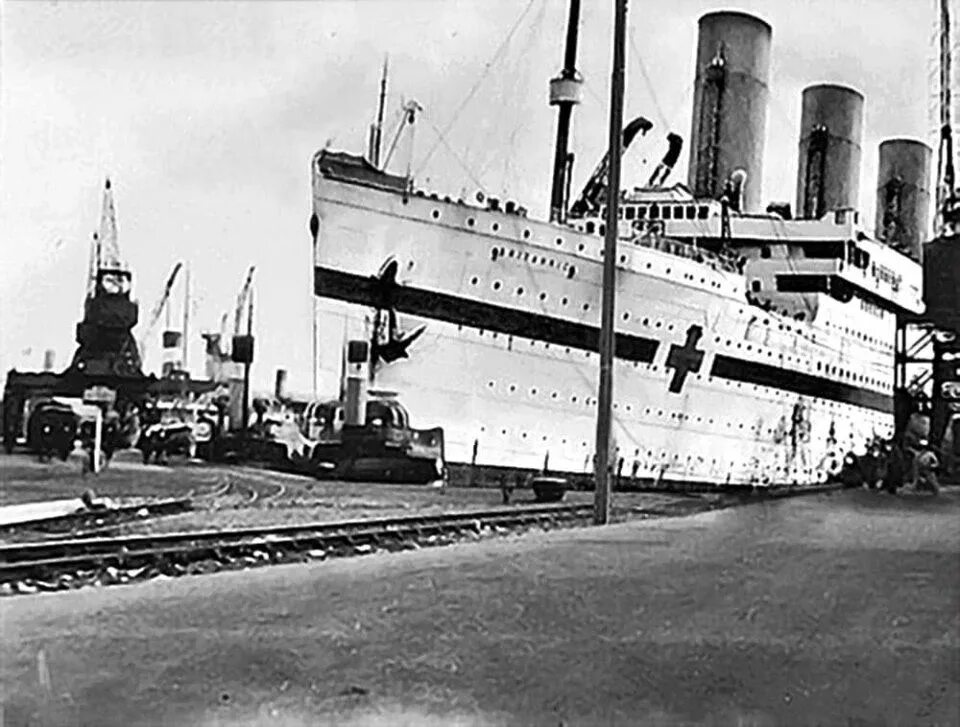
(903, 195)
(357, 374)
(831, 130)
(730, 104)
(49, 356)
(280, 385)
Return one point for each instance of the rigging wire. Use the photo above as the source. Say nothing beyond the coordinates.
(441, 140)
(643, 71)
(476, 86)
(506, 124)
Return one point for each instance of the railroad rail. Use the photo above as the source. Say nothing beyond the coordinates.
(63, 564)
(103, 517)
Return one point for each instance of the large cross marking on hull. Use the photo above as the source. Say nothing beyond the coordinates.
(684, 359)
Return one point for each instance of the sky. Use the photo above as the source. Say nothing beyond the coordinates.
(205, 116)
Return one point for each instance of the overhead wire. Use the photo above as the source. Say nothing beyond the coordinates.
(442, 140)
(476, 86)
(510, 122)
(661, 117)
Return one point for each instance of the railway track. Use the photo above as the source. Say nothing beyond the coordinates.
(65, 564)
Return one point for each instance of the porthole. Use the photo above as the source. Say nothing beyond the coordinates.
(564, 301)
(436, 214)
(513, 387)
(586, 306)
(580, 247)
(543, 296)
(519, 291)
(495, 226)
(474, 280)
(494, 254)
(571, 272)
(471, 222)
(623, 258)
(496, 285)
(526, 234)
(626, 316)
(559, 240)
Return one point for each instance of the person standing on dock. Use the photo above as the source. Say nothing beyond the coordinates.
(925, 467)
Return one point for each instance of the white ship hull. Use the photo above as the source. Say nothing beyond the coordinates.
(507, 364)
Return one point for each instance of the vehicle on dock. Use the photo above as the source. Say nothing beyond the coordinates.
(52, 429)
(384, 448)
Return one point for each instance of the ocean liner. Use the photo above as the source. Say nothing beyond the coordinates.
(754, 346)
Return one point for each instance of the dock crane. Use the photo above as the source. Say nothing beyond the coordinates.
(594, 191)
(159, 308)
(948, 195)
(932, 340)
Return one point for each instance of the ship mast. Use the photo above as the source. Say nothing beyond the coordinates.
(604, 467)
(565, 93)
(376, 131)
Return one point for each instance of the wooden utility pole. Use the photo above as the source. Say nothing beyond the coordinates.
(604, 468)
(186, 317)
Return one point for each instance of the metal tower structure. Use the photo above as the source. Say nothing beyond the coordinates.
(929, 344)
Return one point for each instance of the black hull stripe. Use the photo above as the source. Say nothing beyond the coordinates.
(451, 309)
(365, 291)
(761, 374)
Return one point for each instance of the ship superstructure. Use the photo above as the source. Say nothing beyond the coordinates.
(752, 348)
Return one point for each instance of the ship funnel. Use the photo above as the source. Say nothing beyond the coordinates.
(831, 129)
(730, 103)
(903, 195)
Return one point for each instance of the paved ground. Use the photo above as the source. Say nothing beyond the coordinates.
(250, 497)
(832, 610)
